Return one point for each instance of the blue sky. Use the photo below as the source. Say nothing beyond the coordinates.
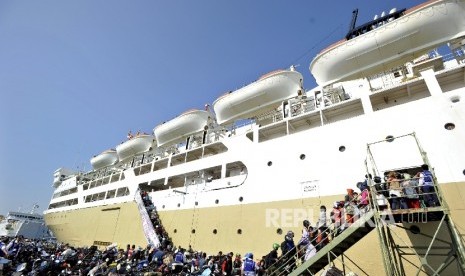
(76, 76)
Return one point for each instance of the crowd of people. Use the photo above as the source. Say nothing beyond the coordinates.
(21, 256)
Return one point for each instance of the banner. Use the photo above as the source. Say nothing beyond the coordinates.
(147, 225)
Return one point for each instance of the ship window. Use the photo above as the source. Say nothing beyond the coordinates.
(196, 203)
(239, 231)
(241, 199)
(389, 138)
(455, 99)
(163, 207)
(175, 230)
(279, 231)
(179, 204)
(463, 172)
(122, 192)
(99, 183)
(449, 126)
(193, 231)
(217, 201)
(111, 194)
(114, 177)
(270, 163)
(302, 156)
(215, 231)
(342, 148)
(235, 168)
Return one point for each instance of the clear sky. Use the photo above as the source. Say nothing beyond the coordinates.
(76, 76)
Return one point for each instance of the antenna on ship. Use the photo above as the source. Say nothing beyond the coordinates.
(34, 207)
(354, 20)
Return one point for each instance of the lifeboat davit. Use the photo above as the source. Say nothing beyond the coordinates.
(179, 128)
(258, 97)
(136, 145)
(391, 43)
(104, 159)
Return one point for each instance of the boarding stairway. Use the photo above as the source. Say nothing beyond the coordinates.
(286, 265)
(342, 242)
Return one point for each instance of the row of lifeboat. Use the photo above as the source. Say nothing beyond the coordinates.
(258, 97)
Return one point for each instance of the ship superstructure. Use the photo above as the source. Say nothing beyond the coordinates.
(237, 175)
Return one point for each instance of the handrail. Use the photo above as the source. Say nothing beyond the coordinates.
(285, 261)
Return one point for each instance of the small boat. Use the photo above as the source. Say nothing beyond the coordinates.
(134, 146)
(257, 97)
(186, 124)
(104, 159)
(390, 41)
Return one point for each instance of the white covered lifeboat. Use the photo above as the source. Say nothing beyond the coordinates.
(391, 43)
(258, 97)
(186, 124)
(104, 159)
(134, 146)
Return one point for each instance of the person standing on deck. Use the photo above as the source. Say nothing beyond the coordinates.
(426, 184)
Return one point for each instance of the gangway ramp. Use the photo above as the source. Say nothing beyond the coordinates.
(338, 245)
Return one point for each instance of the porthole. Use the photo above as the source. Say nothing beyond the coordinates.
(389, 138)
(175, 230)
(193, 231)
(302, 156)
(449, 126)
(215, 231)
(342, 148)
(196, 203)
(217, 201)
(270, 163)
(455, 99)
(241, 198)
(239, 231)
(179, 204)
(279, 231)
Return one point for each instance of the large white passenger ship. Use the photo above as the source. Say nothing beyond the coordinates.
(237, 175)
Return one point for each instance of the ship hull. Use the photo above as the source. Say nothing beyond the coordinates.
(100, 226)
(258, 224)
